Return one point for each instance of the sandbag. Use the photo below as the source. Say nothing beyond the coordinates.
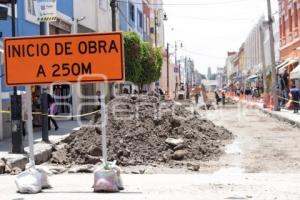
(107, 178)
(44, 178)
(29, 181)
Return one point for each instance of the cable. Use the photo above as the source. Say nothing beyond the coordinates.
(187, 4)
(202, 54)
(216, 19)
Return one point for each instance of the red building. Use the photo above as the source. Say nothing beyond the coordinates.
(289, 12)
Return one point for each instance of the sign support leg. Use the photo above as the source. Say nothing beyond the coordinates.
(103, 122)
(29, 124)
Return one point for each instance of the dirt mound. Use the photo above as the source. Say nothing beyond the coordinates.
(142, 130)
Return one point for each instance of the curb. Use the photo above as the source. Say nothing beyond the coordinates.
(42, 153)
(280, 118)
(274, 115)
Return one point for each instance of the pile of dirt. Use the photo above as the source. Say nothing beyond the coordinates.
(142, 130)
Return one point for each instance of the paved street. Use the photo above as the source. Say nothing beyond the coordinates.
(187, 100)
(262, 143)
(261, 163)
(176, 186)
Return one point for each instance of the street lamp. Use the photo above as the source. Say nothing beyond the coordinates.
(156, 23)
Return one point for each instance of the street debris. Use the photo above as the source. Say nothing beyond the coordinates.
(142, 130)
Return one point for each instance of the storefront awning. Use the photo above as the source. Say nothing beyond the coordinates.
(282, 66)
(295, 74)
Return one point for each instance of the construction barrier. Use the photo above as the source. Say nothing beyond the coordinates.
(57, 116)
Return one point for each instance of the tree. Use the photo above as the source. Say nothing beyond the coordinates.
(142, 61)
(151, 63)
(133, 54)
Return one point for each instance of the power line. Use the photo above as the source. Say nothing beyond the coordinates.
(187, 4)
(202, 54)
(213, 19)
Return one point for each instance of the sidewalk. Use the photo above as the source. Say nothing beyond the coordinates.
(42, 150)
(282, 115)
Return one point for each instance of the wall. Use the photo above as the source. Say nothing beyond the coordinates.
(104, 17)
(97, 14)
(89, 13)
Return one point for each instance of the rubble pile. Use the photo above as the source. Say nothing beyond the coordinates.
(142, 130)
(6, 168)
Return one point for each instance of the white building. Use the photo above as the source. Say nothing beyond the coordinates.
(95, 17)
(157, 12)
(229, 66)
(253, 51)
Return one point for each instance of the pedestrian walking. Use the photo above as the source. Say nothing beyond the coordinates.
(197, 98)
(295, 98)
(217, 97)
(52, 110)
(223, 98)
(248, 93)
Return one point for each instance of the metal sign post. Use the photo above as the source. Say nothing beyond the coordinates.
(29, 124)
(103, 122)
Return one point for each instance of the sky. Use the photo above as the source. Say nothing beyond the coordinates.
(210, 28)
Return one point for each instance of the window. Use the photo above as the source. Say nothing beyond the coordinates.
(140, 15)
(290, 20)
(131, 12)
(31, 7)
(296, 14)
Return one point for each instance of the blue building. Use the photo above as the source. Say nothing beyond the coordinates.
(131, 16)
(27, 25)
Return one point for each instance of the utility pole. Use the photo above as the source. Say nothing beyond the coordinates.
(186, 78)
(155, 27)
(168, 83)
(113, 5)
(44, 30)
(16, 101)
(176, 86)
(263, 61)
(179, 65)
(274, 76)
